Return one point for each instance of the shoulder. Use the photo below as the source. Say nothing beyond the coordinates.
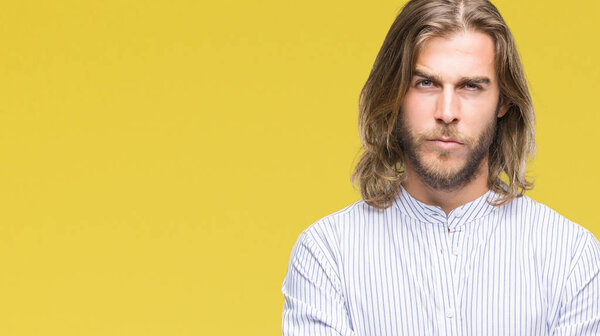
(330, 233)
(348, 219)
(540, 216)
(549, 232)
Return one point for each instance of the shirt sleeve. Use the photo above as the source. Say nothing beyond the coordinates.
(313, 302)
(580, 301)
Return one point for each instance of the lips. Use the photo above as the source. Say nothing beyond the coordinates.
(446, 143)
(446, 140)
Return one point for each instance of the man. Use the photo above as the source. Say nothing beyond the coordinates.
(444, 242)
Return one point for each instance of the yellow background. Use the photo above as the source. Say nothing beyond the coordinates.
(158, 159)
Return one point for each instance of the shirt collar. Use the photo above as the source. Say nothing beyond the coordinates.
(463, 214)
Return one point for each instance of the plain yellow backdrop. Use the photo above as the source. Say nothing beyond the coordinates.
(158, 159)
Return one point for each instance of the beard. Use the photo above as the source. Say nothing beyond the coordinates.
(439, 174)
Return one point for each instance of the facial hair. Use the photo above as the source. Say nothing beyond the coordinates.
(435, 177)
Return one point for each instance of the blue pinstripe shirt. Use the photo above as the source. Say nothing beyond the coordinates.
(515, 269)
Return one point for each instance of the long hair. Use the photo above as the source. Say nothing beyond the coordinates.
(380, 170)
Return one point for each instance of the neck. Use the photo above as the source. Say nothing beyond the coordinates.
(446, 199)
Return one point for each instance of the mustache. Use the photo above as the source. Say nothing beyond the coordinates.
(444, 132)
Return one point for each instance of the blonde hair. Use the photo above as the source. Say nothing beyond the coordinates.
(380, 169)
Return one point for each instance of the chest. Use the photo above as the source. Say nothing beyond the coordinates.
(429, 281)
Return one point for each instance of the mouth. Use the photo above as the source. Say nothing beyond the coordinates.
(446, 140)
(446, 143)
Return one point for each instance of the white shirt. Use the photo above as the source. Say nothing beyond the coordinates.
(517, 269)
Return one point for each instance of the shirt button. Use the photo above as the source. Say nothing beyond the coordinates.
(458, 213)
(455, 251)
(450, 313)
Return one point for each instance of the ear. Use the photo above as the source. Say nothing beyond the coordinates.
(503, 108)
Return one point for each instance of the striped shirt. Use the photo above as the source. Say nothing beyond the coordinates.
(516, 269)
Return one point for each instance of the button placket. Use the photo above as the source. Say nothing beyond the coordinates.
(439, 273)
(457, 238)
(455, 251)
(447, 312)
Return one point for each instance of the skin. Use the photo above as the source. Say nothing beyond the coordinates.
(452, 101)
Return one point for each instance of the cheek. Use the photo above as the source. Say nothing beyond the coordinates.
(417, 110)
(477, 115)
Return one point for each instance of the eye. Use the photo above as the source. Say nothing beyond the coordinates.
(425, 83)
(472, 86)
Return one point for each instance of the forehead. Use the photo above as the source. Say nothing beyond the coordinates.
(462, 54)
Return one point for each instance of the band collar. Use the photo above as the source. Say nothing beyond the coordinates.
(459, 216)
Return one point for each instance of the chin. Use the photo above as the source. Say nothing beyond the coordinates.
(443, 166)
(443, 174)
(443, 170)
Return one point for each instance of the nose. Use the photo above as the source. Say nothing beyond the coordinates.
(448, 106)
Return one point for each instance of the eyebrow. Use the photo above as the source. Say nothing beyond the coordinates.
(477, 79)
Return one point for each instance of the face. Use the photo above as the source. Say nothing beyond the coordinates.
(448, 116)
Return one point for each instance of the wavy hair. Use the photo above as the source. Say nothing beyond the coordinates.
(380, 170)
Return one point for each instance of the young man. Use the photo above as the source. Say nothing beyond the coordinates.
(444, 242)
